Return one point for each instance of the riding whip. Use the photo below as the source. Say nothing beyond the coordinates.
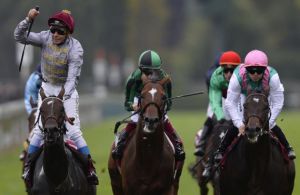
(186, 95)
(117, 125)
(29, 29)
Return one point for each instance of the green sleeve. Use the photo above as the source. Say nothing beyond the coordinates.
(215, 94)
(131, 89)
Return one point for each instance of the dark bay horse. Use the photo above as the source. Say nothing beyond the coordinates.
(148, 164)
(213, 142)
(57, 169)
(256, 164)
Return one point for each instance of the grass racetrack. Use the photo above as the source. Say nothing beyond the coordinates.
(100, 136)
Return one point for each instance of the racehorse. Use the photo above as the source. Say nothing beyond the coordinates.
(58, 169)
(213, 141)
(256, 164)
(148, 164)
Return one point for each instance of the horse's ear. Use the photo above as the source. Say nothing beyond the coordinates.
(165, 80)
(42, 93)
(61, 93)
(32, 102)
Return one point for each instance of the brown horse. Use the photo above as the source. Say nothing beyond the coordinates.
(148, 164)
(256, 165)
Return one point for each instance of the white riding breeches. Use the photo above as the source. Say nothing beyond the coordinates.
(71, 106)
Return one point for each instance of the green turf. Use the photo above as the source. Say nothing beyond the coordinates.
(99, 138)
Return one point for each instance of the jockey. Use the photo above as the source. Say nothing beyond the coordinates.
(32, 88)
(209, 122)
(149, 61)
(217, 91)
(61, 61)
(254, 74)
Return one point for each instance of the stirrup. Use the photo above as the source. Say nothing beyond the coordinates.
(291, 154)
(180, 155)
(92, 178)
(218, 157)
(207, 172)
(199, 151)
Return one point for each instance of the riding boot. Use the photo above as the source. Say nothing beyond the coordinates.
(229, 136)
(207, 171)
(179, 152)
(117, 152)
(29, 167)
(200, 148)
(279, 134)
(92, 177)
(24, 152)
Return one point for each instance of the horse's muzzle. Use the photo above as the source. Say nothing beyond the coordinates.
(253, 133)
(150, 124)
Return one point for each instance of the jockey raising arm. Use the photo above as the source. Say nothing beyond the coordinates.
(254, 75)
(61, 61)
(149, 65)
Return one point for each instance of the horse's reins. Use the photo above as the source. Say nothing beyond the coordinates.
(51, 116)
(118, 123)
(265, 123)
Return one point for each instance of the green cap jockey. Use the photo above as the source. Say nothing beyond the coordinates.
(149, 60)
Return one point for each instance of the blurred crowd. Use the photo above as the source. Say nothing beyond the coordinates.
(110, 72)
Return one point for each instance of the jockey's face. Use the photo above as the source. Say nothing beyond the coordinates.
(255, 73)
(228, 70)
(59, 35)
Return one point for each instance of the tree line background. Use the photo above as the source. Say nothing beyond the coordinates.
(187, 34)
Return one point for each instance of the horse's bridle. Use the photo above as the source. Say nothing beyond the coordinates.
(264, 121)
(61, 128)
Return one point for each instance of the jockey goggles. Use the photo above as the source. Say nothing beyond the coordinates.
(60, 31)
(255, 69)
(227, 70)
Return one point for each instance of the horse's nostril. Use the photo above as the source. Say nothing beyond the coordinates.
(257, 129)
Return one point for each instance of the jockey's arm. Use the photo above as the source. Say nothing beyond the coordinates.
(20, 34)
(130, 93)
(75, 62)
(215, 97)
(276, 99)
(232, 100)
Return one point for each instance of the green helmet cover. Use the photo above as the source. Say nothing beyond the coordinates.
(150, 60)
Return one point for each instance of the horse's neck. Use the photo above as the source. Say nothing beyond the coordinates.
(149, 147)
(55, 161)
(259, 151)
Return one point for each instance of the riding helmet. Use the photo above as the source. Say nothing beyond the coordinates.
(62, 19)
(256, 58)
(149, 60)
(230, 58)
